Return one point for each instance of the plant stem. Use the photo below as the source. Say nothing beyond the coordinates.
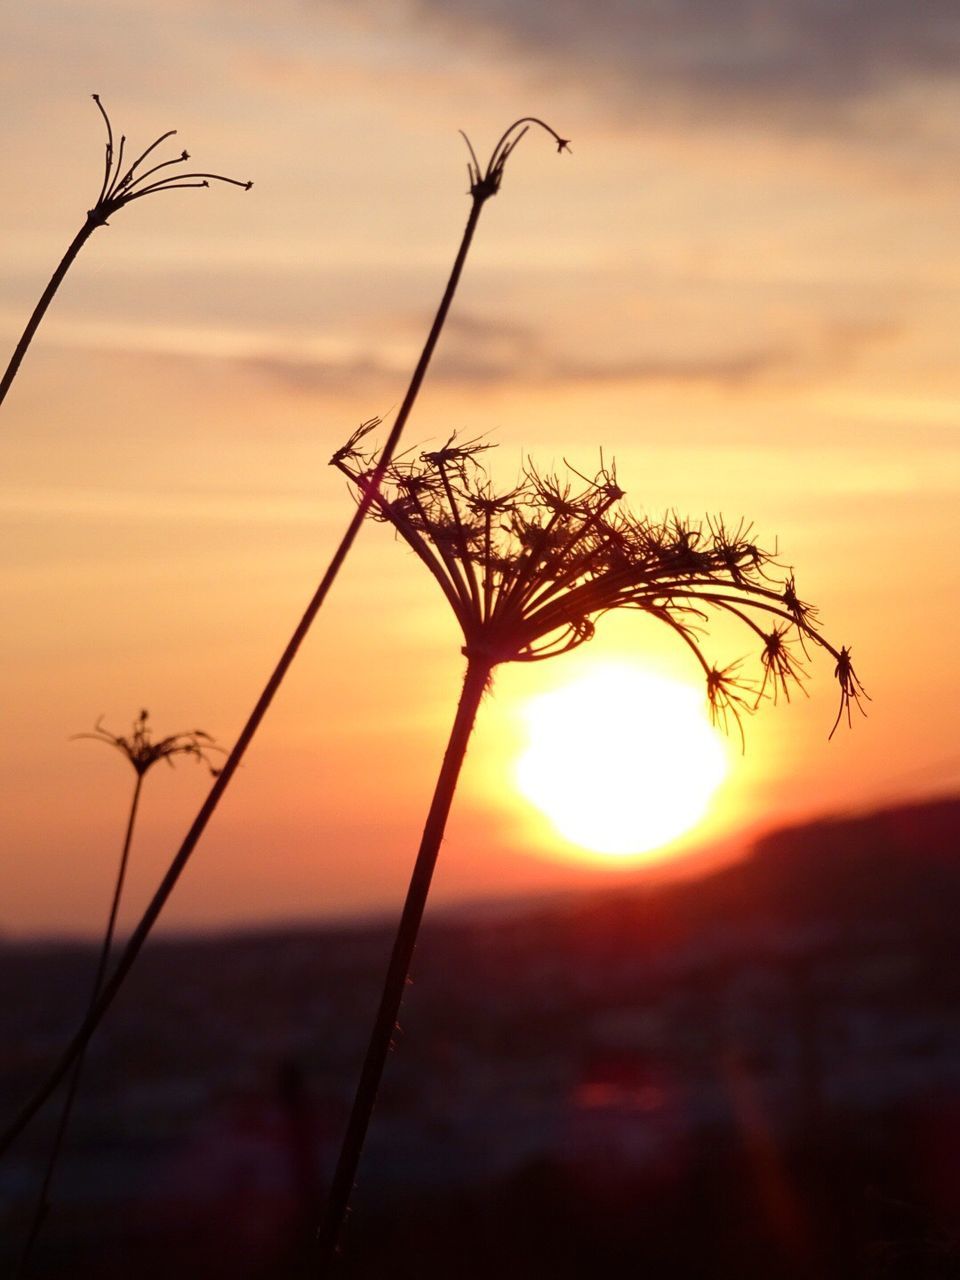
(475, 682)
(79, 240)
(43, 1197)
(139, 935)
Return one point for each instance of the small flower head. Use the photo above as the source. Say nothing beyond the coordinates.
(780, 666)
(122, 185)
(729, 698)
(851, 690)
(350, 450)
(528, 571)
(143, 752)
(485, 182)
(801, 612)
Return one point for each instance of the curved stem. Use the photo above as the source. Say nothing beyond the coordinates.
(139, 935)
(43, 1197)
(79, 240)
(475, 682)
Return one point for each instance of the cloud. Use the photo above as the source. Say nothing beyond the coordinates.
(799, 59)
(736, 369)
(307, 377)
(475, 351)
(478, 352)
(786, 54)
(311, 377)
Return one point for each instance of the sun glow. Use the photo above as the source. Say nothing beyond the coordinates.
(621, 761)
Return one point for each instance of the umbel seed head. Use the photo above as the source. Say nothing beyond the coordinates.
(528, 571)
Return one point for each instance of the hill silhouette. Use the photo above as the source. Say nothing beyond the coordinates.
(610, 1084)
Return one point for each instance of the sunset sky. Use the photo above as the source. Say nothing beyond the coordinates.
(744, 283)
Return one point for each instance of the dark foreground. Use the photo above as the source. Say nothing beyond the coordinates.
(757, 1075)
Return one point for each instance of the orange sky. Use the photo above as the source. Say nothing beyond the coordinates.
(743, 282)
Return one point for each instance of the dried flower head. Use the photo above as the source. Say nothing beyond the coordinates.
(121, 186)
(143, 752)
(528, 571)
(485, 182)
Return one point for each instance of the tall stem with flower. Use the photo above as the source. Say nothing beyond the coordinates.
(120, 187)
(143, 752)
(527, 572)
(484, 184)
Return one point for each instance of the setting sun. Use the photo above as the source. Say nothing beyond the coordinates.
(621, 761)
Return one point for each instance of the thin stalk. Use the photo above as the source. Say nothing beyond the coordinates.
(43, 1197)
(475, 682)
(140, 934)
(469, 572)
(79, 240)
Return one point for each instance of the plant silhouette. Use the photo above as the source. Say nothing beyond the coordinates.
(143, 752)
(527, 572)
(120, 186)
(484, 184)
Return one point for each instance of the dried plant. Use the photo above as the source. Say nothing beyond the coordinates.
(527, 572)
(121, 185)
(143, 753)
(484, 184)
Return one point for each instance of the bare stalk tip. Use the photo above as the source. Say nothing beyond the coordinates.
(485, 181)
(122, 185)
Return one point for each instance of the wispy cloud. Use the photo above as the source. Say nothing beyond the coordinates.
(109, 506)
(481, 353)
